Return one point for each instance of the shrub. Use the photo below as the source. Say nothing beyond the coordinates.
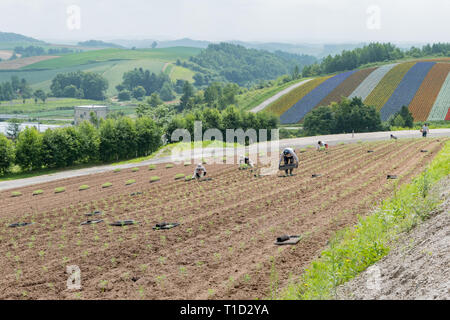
(179, 176)
(154, 179)
(60, 189)
(6, 154)
(83, 187)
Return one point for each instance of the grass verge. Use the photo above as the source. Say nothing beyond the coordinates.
(354, 249)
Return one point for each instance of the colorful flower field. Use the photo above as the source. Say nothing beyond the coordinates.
(423, 86)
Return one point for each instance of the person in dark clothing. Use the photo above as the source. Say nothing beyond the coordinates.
(289, 157)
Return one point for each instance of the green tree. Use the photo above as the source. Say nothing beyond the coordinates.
(124, 95)
(40, 95)
(148, 136)
(13, 128)
(108, 148)
(89, 142)
(407, 116)
(139, 92)
(29, 149)
(318, 121)
(188, 92)
(6, 154)
(166, 92)
(154, 100)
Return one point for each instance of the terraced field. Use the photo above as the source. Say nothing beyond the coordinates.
(419, 85)
(370, 83)
(223, 247)
(346, 87)
(386, 87)
(311, 100)
(406, 90)
(425, 97)
(442, 103)
(288, 100)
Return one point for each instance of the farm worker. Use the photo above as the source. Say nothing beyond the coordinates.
(425, 130)
(322, 144)
(246, 160)
(199, 172)
(289, 157)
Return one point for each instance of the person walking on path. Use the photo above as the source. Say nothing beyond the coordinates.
(425, 130)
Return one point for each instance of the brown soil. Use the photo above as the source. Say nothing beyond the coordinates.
(23, 62)
(223, 248)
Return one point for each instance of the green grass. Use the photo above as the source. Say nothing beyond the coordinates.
(154, 179)
(83, 187)
(60, 190)
(135, 169)
(16, 194)
(106, 185)
(188, 178)
(354, 249)
(131, 181)
(253, 98)
(151, 167)
(37, 192)
(168, 166)
(179, 176)
(117, 170)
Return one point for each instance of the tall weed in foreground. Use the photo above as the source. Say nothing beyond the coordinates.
(354, 249)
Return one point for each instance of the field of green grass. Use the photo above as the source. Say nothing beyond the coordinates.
(253, 98)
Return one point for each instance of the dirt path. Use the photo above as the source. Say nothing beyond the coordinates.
(417, 268)
(224, 245)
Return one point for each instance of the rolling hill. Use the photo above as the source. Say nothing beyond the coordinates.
(422, 85)
(111, 63)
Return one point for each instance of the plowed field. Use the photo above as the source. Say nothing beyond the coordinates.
(223, 247)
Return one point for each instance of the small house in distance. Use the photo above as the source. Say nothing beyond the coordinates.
(84, 113)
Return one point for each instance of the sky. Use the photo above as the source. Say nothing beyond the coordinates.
(295, 21)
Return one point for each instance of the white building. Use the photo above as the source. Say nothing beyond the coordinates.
(84, 113)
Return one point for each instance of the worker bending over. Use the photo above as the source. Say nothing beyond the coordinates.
(289, 157)
(321, 144)
(247, 161)
(199, 172)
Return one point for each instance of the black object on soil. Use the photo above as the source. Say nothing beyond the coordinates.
(95, 213)
(90, 222)
(135, 194)
(20, 224)
(165, 226)
(123, 223)
(315, 175)
(391, 176)
(283, 240)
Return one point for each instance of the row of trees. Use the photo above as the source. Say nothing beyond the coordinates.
(20, 89)
(373, 52)
(229, 118)
(343, 117)
(114, 139)
(139, 83)
(32, 51)
(82, 85)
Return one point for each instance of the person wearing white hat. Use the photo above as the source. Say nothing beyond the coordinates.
(199, 172)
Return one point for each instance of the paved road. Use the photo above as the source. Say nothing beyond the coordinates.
(264, 104)
(218, 153)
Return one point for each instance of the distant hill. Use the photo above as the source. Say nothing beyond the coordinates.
(99, 44)
(15, 37)
(147, 43)
(235, 63)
